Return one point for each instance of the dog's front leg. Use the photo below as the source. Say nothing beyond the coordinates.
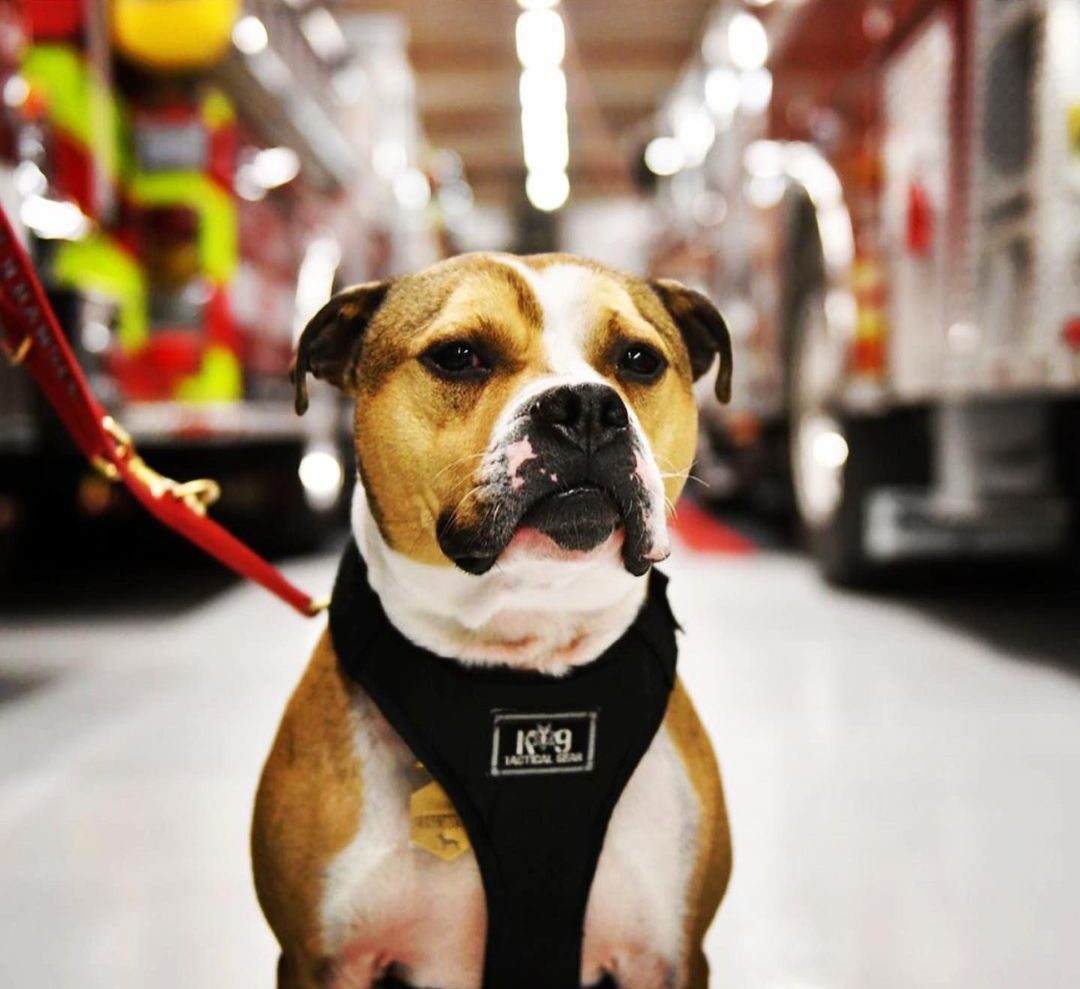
(302, 973)
(639, 967)
(359, 967)
(356, 969)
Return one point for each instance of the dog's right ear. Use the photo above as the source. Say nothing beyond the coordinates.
(703, 330)
(330, 345)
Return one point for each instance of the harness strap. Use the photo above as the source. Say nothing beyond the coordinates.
(33, 338)
(534, 764)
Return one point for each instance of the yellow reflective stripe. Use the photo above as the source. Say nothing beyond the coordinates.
(220, 379)
(216, 209)
(97, 264)
(869, 324)
(217, 110)
(78, 103)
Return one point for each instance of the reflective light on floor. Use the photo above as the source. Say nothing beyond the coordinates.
(902, 777)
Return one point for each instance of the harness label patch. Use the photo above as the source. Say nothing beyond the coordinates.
(528, 744)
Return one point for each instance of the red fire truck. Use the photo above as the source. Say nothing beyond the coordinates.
(885, 198)
(189, 181)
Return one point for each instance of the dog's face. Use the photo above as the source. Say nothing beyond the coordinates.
(506, 407)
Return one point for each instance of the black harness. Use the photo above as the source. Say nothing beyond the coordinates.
(533, 763)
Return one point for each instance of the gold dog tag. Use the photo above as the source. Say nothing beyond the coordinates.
(434, 824)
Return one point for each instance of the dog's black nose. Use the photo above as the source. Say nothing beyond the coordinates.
(589, 416)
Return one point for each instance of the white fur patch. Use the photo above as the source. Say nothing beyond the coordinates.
(567, 294)
(547, 605)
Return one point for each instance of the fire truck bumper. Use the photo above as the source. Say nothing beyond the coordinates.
(905, 523)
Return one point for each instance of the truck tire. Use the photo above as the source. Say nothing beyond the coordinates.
(836, 541)
(838, 459)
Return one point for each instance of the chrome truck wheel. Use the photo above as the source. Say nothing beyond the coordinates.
(819, 449)
(829, 485)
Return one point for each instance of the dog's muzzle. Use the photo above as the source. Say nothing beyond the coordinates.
(570, 469)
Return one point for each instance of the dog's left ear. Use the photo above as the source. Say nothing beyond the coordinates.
(330, 345)
(703, 329)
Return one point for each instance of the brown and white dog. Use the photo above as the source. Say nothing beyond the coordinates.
(521, 426)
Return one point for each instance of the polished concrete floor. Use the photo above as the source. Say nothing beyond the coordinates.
(902, 771)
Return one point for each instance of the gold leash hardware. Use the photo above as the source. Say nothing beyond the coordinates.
(18, 355)
(318, 604)
(197, 495)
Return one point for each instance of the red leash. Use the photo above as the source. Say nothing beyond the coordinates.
(34, 339)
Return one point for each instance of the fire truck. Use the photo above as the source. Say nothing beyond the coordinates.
(884, 198)
(192, 178)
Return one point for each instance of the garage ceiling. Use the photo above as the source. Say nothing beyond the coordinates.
(622, 58)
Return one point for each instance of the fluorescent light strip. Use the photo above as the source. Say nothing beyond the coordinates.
(545, 129)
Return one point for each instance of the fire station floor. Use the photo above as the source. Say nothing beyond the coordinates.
(902, 772)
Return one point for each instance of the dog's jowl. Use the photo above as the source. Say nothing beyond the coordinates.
(490, 775)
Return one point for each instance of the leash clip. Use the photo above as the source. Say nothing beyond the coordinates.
(18, 355)
(196, 495)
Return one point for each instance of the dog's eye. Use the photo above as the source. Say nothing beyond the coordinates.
(642, 363)
(456, 359)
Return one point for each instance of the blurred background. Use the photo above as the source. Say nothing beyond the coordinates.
(877, 558)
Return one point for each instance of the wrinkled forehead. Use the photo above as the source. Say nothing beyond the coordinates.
(565, 301)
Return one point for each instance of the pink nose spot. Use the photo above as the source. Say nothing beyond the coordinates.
(517, 454)
(641, 469)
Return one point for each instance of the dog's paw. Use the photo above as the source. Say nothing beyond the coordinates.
(638, 967)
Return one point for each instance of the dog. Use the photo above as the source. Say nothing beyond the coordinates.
(489, 390)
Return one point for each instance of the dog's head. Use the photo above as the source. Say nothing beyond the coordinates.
(539, 406)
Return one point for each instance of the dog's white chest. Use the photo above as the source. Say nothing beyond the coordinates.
(389, 904)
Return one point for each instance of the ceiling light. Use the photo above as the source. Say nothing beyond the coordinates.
(545, 144)
(664, 156)
(544, 84)
(547, 191)
(765, 191)
(28, 179)
(537, 4)
(321, 29)
(545, 138)
(249, 35)
(696, 132)
(714, 44)
(755, 90)
(52, 219)
(246, 187)
(272, 72)
(95, 337)
(388, 157)
(315, 280)
(722, 92)
(16, 90)
(545, 126)
(412, 189)
(748, 45)
(274, 167)
(541, 38)
(764, 158)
